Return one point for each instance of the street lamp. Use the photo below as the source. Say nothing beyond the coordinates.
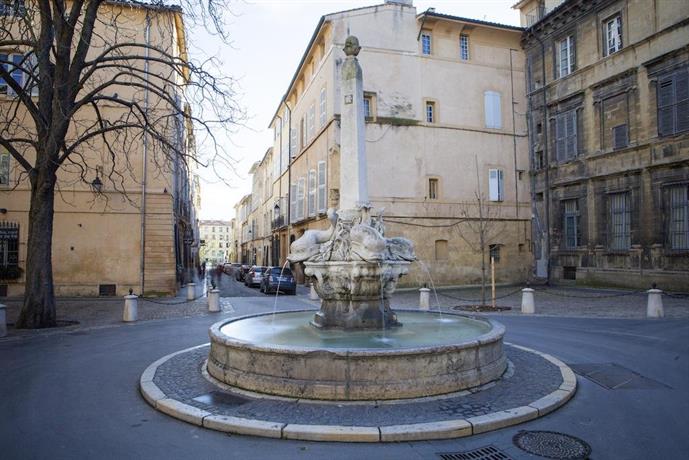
(97, 184)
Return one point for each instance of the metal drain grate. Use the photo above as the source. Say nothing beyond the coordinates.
(551, 444)
(217, 398)
(615, 377)
(482, 453)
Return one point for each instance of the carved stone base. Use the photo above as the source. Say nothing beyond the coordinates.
(355, 314)
(355, 294)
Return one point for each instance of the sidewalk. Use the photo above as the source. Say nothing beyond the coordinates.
(553, 301)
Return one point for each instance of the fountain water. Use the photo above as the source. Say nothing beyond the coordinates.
(339, 353)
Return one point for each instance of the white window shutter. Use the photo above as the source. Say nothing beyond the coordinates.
(501, 185)
(493, 185)
(321, 186)
(312, 192)
(292, 202)
(491, 101)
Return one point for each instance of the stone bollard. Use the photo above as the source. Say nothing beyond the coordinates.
(313, 295)
(3, 321)
(424, 299)
(131, 308)
(528, 304)
(214, 300)
(654, 307)
(191, 291)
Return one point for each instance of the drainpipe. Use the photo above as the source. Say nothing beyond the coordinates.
(546, 156)
(514, 140)
(147, 35)
(289, 176)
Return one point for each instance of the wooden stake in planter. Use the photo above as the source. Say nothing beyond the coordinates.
(492, 280)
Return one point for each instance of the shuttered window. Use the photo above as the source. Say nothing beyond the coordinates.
(301, 192)
(312, 121)
(496, 187)
(673, 103)
(566, 135)
(322, 187)
(292, 202)
(4, 167)
(679, 217)
(323, 113)
(312, 193)
(620, 221)
(570, 224)
(491, 102)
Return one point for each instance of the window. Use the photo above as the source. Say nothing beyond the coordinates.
(22, 68)
(613, 35)
(301, 192)
(566, 58)
(312, 192)
(426, 43)
(367, 106)
(292, 202)
(494, 250)
(12, 7)
(620, 137)
(441, 252)
(312, 121)
(620, 220)
(9, 250)
(322, 187)
(673, 103)
(430, 112)
(302, 126)
(323, 114)
(566, 135)
(570, 223)
(4, 167)
(679, 217)
(293, 142)
(491, 102)
(496, 186)
(464, 47)
(433, 189)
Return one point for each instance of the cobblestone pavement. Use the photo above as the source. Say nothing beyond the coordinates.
(235, 297)
(533, 377)
(556, 301)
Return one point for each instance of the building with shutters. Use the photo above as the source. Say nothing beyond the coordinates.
(444, 98)
(127, 223)
(608, 100)
(217, 242)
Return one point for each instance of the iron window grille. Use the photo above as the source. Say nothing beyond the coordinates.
(9, 250)
(620, 221)
(679, 217)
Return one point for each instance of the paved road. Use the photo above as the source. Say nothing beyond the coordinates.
(74, 394)
(229, 287)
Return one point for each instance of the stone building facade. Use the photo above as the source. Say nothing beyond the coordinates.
(442, 96)
(608, 95)
(105, 243)
(217, 241)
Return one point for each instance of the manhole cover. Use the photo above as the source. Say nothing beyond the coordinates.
(482, 453)
(551, 444)
(615, 377)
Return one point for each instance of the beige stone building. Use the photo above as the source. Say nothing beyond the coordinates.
(445, 125)
(217, 241)
(106, 242)
(608, 94)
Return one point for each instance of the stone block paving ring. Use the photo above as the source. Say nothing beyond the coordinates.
(534, 385)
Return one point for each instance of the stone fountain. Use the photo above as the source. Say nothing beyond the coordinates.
(355, 347)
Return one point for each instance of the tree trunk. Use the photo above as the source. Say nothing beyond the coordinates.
(483, 275)
(38, 310)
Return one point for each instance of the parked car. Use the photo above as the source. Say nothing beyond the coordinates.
(276, 277)
(241, 272)
(254, 277)
(230, 269)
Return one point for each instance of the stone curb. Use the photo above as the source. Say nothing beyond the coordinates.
(444, 429)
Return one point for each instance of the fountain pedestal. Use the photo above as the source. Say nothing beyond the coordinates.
(355, 295)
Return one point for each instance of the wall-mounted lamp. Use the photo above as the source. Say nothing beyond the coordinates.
(97, 185)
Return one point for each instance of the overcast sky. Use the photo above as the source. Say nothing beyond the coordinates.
(268, 40)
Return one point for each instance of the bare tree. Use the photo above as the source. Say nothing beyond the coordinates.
(86, 84)
(480, 227)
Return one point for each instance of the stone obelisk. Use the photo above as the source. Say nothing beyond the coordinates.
(353, 179)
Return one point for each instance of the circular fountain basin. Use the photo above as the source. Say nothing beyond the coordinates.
(284, 355)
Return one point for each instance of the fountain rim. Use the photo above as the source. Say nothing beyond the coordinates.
(495, 334)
